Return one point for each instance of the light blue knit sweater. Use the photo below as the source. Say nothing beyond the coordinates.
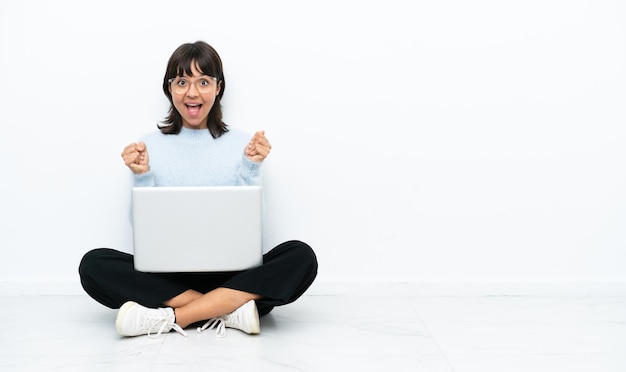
(194, 158)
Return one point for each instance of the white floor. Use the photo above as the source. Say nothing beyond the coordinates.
(332, 333)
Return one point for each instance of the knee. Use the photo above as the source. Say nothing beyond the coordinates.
(88, 262)
(92, 261)
(305, 254)
(308, 253)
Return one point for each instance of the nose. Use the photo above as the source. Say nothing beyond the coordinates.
(193, 90)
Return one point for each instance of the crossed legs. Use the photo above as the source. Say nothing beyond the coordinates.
(192, 306)
(109, 277)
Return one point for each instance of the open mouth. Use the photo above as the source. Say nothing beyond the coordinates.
(193, 108)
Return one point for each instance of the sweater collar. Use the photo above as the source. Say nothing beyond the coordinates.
(195, 133)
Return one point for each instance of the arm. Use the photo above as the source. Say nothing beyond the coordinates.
(255, 152)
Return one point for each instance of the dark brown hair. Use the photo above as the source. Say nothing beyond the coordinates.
(204, 58)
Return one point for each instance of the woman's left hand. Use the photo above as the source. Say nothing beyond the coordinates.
(258, 148)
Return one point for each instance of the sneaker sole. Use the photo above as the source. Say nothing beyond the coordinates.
(121, 314)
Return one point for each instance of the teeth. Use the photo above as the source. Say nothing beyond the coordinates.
(193, 104)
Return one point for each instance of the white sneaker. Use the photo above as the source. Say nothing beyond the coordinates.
(134, 320)
(245, 318)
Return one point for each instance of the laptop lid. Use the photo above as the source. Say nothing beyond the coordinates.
(197, 229)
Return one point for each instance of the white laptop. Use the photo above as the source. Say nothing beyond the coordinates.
(197, 229)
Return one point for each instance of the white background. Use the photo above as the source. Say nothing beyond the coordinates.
(413, 141)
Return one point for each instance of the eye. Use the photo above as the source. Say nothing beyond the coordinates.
(181, 82)
(205, 82)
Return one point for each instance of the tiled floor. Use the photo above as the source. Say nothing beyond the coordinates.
(332, 333)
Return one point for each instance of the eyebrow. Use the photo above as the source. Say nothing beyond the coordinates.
(199, 77)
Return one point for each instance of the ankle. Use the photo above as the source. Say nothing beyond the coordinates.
(180, 319)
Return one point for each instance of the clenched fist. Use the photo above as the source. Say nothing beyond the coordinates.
(258, 148)
(136, 158)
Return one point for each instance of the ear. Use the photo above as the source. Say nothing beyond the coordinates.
(219, 88)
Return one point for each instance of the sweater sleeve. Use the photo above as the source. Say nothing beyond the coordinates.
(249, 172)
(144, 179)
(140, 180)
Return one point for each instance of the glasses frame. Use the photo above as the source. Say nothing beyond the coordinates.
(194, 82)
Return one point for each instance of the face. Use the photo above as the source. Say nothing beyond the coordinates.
(194, 105)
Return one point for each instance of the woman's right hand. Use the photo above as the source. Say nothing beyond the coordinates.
(135, 157)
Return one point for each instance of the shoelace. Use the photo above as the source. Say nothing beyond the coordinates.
(166, 322)
(178, 329)
(218, 324)
(221, 322)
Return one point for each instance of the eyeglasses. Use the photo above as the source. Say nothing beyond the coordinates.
(180, 85)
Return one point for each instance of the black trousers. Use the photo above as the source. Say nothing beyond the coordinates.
(109, 276)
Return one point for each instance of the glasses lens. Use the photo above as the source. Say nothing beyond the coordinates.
(181, 85)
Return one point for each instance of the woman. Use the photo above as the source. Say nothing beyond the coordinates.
(195, 147)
